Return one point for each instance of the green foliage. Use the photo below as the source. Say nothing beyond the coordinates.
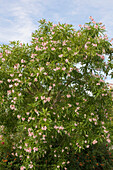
(52, 107)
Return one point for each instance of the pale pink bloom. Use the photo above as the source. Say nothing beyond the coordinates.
(3, 59)
(94, 142)
(16, 84)
(20, 147)
(23, 118)
(50, 87)
(64, 68)
(61, 127)
(87, 146)
(61, 55)
(12, 107)
(108, 140)
(45, 73)
(93, 22)
(75, 124)
(22, 61)
(68, 48)
(11, 75)
(77, 103)
(22, 168)
(94, 119)
(42, 97)
(102, 57)
(35, 79)
(63, 163)
(68, 95)
(1, 81)
(27, 113)
(64, 43)
(90, 120)
(18, 116)
(53, 85)
(35, 149)
(9, 80)
(98, 84)
(8, 52)
(69, 105)
(86, 46)
(95, 45)
(53, 49)
(53, 33)
(36, 98)
(106, 131)
(96, 26)
(80, 25)
(44, 128)
(20, 75)
(66, 60)
(10, 85)
(30, 166)
(75, 53)
(37, 74)
(16, 154)
(45, 119)
(48, 99)
(15, 98)
(19, 94)
(36, 111)
(47, 63)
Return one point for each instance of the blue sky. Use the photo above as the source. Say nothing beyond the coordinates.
(18, 18)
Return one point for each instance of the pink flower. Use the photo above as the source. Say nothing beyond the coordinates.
(68, 48)
(12, 107)
(94, 142)
(68, 95)
(42, 97)
(66, 60)
(61, 55)
(102, 57)
(108, 140)
(64, 68)
(95, 45)
(23, 118)
(86, 46)
(35, 149)
(75, 53)
(22, 168)
(18, 116)
(96, 26)
(44, 128)
(53, 49)
(98, 84)
(90, 120)
(22, 61)
(30, 166)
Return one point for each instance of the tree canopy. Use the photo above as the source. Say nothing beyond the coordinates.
(53, 92)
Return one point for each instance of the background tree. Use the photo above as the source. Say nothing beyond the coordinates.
(56, 107)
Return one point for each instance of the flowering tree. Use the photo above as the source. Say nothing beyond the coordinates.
(53, 93)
